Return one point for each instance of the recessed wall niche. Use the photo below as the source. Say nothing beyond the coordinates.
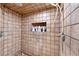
(39, 27)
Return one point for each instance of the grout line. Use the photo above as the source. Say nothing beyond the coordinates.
(71, 24)
(72, 37)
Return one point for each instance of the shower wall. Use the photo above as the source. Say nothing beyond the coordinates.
(10, 32)
(41, 43)
(71, 29)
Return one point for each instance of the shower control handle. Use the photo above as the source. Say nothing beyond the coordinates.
(63, 37)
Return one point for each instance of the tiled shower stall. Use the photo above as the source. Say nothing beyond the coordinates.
(17, 36)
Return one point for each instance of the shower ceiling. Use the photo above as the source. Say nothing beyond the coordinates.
(27, 8)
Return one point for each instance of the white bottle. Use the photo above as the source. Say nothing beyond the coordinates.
(39, 29)
(43, 29)
(33, 29)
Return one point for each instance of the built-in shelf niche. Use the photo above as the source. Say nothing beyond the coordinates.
(39, 27)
